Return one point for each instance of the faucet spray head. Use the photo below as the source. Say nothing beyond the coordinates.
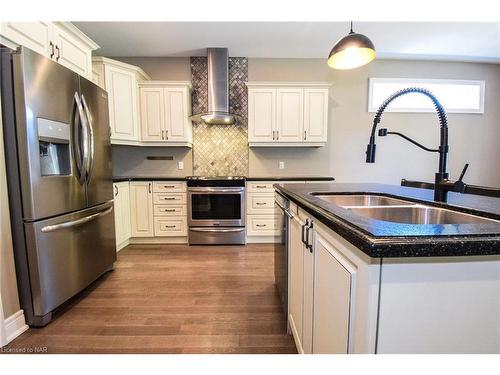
(370, 150)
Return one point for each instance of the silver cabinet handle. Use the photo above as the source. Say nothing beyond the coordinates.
(51, 50)
(149, 188)
(169, 186)
(169, 198)
(168, 210)
(260, 203)
(163, 134)
(166, 134)
(274, 135)
(305, 135)
(74, 223)
(58, 53)
(260, 186)
(261, 225)
(169, 226)
(116, 191)
(277, 135)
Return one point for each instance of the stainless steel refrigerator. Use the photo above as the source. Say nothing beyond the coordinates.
(58, 154)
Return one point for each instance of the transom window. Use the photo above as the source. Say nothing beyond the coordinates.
(456, 96)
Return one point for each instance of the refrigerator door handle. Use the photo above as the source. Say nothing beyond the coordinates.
(74, 223)
(82, 154)
(89, 124)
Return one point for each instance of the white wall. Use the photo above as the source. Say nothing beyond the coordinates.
(474, 138)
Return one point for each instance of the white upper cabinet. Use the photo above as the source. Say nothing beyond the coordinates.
(121, 82)
(152, 115)
(59, 41)
(284, 114)
(261, 114)
(290, 114)
(165, 111)
(315, 115)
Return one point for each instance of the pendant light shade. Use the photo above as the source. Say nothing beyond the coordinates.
(351, 51)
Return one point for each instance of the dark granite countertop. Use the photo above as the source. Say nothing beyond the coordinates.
(381, 239)
(285, 178)
(144, 178)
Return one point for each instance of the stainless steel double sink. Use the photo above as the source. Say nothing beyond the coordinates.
(400, 210)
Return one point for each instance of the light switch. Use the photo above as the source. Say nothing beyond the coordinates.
(281, 165)
(180, 165)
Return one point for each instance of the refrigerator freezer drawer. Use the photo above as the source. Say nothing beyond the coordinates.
(67, 253)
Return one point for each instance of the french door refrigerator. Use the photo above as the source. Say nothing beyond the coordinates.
(58, 159)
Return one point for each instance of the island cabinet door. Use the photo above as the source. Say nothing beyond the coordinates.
(296, 281)
(333, 282)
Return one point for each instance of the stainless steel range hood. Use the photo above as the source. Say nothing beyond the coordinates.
(218, 90)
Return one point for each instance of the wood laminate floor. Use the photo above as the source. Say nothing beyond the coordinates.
(173, 299)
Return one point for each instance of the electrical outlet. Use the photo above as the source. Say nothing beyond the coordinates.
(281, 165)
(180, 165)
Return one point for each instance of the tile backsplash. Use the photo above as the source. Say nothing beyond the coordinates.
(220, 150)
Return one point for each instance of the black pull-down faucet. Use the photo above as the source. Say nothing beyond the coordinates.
(441, 183)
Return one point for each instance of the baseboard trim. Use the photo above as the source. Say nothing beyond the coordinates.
(15, 325)
(263, 239)
(157, 240)
(121, 245)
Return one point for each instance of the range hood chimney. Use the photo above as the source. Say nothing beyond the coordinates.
(218, 90)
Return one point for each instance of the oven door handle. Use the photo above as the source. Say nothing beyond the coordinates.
(215, 190)
(217, 230)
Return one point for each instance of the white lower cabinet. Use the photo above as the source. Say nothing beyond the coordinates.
(296, 281)
(333, 277)
(122, 213)
(141, 209)
(320, 285)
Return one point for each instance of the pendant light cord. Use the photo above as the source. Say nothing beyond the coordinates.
(352, 32)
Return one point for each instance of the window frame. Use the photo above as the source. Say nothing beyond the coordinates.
(416, 81)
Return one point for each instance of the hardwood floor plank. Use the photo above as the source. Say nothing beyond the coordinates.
(174, 299)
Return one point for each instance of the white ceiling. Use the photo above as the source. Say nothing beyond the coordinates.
(463, 41)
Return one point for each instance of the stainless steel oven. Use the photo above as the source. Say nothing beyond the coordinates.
(216, 210)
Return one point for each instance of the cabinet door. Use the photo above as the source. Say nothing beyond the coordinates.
(152, 114)
(72, 53)
(290, 114)
(307, 320)
(125, 209)
(333, 279)
(261, 114)
(34, 35)
(315, 115)
(176, 115)
(296, 282)
(141, 209)
(121, 86)
(118, 214)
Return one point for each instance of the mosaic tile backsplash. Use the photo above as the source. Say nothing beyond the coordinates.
(220, 150)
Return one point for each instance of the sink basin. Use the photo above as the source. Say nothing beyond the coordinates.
(419, 214)
(344, 200)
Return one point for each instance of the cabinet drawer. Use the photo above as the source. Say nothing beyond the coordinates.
(169, 187)
(170, 227)
(260, 187)
(169, 198)
(166, 210)
(266, 225)
(260, 203)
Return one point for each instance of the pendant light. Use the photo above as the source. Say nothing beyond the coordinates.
(351, 51)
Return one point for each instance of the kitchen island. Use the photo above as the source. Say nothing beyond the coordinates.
(358, 284)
